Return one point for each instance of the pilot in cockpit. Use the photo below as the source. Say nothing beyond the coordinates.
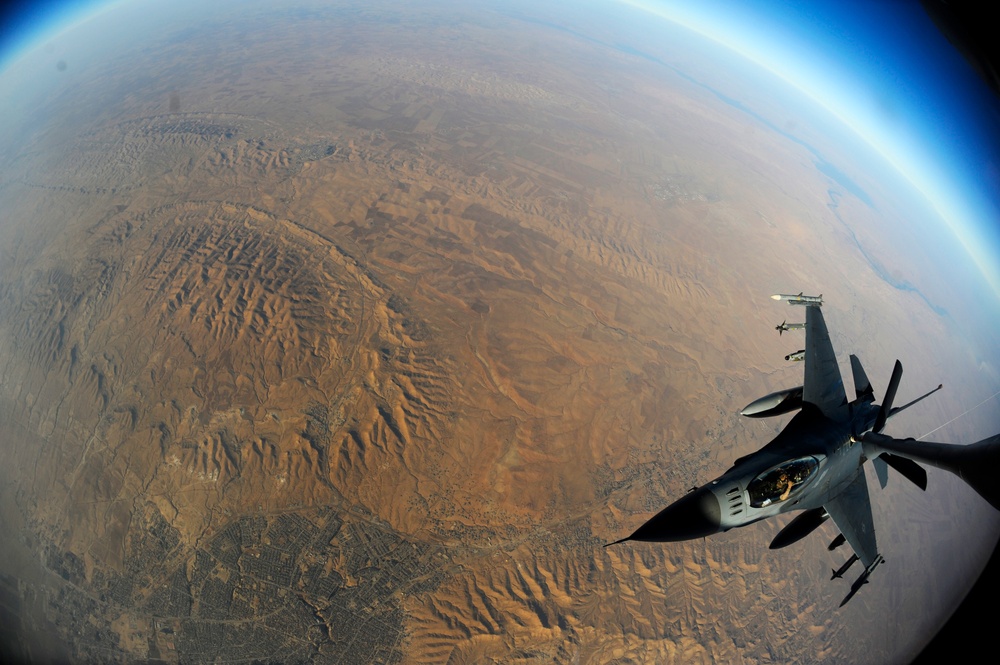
(786, 482)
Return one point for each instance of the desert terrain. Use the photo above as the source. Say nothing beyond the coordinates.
(355, 340)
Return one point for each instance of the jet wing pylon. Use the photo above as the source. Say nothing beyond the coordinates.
(823, 386)
(851, 511)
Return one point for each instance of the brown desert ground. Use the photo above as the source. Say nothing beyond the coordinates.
(360, 342)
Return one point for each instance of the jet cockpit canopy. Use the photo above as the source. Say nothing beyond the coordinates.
(782, 482)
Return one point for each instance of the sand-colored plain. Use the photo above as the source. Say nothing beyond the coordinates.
(361, 350)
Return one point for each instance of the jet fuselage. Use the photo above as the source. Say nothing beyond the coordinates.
(816, 464)
(811, 461)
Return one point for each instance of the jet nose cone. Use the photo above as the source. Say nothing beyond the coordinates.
(696, 515)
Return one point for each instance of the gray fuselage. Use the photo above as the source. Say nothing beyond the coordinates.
(810, 462)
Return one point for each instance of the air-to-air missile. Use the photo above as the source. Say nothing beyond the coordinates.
(785, 325)
(843, 569)
(799, 299)
(798, 356)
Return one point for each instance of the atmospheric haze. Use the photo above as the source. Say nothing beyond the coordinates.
(350, 332)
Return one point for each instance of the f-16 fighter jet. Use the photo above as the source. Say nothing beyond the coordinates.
(815, 465)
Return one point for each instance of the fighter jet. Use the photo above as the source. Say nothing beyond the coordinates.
(815, 465)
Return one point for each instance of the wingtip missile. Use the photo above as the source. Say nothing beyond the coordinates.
(799, 298)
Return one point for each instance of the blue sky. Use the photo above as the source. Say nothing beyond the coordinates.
(24, 23)
(885, 70)
(882, 67)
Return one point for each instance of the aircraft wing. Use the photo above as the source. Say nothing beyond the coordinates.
(822, 387)
(852, 513)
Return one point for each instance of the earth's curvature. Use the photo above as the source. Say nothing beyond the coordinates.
(351, 332)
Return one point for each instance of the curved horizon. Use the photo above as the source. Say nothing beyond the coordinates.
(883, 70)
(887, 73)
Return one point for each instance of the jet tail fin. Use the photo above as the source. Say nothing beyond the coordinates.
(890, 394)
